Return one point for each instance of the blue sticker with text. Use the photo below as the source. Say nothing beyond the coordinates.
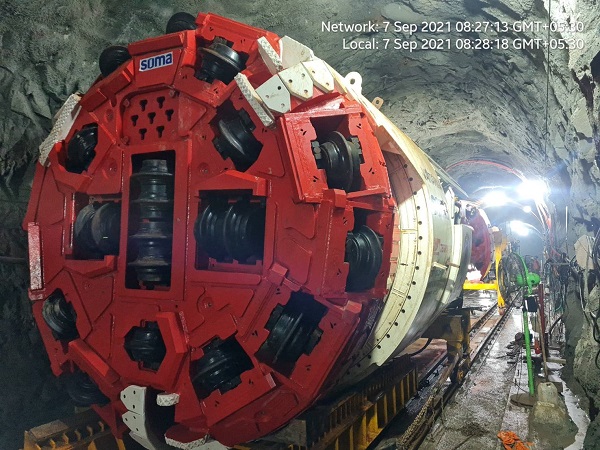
(156, 62)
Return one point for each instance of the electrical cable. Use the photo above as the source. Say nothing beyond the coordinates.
(519, 369)
(548, 83)
(422, 348)
(581, 296)
(553, 325)
(596, 325)
(12, 260)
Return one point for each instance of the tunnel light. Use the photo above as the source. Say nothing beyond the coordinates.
(495, 199)
(524, 229)
(533, 189)
(519, 228)
(527, 209)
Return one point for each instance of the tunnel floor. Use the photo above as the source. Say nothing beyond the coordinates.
(482, 407)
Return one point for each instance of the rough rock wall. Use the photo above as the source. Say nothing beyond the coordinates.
(587, 372)
(457, 104)
(581, 347)
(30, 394)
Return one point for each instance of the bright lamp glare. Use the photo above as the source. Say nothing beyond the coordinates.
(532, 189)
(519, 228)
(527, 209)
(495, 199)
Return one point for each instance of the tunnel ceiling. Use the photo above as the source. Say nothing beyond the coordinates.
(457, 105)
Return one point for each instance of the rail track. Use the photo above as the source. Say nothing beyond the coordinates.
(435, 390)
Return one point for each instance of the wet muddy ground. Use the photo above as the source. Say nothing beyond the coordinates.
(482, 406)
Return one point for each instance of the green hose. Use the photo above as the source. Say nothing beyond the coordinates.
(528, 351)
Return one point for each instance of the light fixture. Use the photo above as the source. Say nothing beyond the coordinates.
(533, 189)
(519, 228)
(495, 199)
(527, 209)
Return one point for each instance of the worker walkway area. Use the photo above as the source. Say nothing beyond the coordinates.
(426, 398)
(474, 417)
(483, 414)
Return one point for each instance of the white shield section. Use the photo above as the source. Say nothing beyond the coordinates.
(430, 254)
